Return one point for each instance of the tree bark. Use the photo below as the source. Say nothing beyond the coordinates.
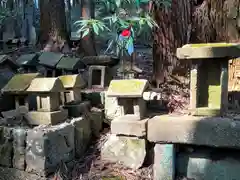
(53, 29)
(87, 43)
(173, 32)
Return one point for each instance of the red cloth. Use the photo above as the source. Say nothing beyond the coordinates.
(126, 33)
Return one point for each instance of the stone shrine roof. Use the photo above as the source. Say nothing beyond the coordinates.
(28, 60)
(50, 59)
(72, 81)
(46, 85)
(4, 58)
(19, 83)
(209, 50)
(128, 88)
(70, 63)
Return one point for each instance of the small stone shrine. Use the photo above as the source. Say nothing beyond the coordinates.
(49, 60)
(73, 85)
(72, 97)
(209, 76)
(129, 94)
(70, 65)
(6, 62)
(48, 92)
(17, 87)
(28, 62)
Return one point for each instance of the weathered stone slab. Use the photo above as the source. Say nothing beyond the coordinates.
(129, 125)
(213, 131)
(82, 135)
(53, 118)
(209, 50)
(6, 146)
(47, 147)
(127, 88)
(19, 148)
(164, 162)
(200, 166)
(128, 151)
(96, 118)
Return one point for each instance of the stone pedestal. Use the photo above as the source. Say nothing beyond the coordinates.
(164, 162)
(129, 125)
(55, 117)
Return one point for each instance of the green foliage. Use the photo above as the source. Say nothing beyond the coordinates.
(117, 15)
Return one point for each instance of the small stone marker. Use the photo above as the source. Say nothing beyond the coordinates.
(28, 61)
(48, 101)
(129, 94)
(209, 76)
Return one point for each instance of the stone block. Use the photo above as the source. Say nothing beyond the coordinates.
(96, 97)
(112, 109)
(6, 146)
(19, 148)
(200, 166)
(55, 117)
(183, 129)
(129, 125)
(164, 162)
(129, 151)
(48, 146)
(96, 118)
(77, 110)
(82, 135)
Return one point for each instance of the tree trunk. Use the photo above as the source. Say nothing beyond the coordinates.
(87, 43)
(53, 29)
(173, 32)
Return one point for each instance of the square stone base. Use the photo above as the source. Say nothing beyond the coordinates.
(38, 118)
(129, 125)
(77, 110)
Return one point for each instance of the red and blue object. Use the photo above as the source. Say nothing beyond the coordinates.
(126, 36)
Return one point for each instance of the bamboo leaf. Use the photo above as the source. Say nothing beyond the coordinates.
(86, 33)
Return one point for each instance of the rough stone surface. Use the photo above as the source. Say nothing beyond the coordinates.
(96, 97)
(129, 125)
(76, 110)
(82, 135)
(202, 167)
(96, 118)
(112, 109)
(14, 174)
(164, 162)
(6, 146)
(47, 147)
(213, 131)
(128, 151)
(19, 148)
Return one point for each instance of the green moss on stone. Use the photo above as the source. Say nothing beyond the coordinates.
(19, 82)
